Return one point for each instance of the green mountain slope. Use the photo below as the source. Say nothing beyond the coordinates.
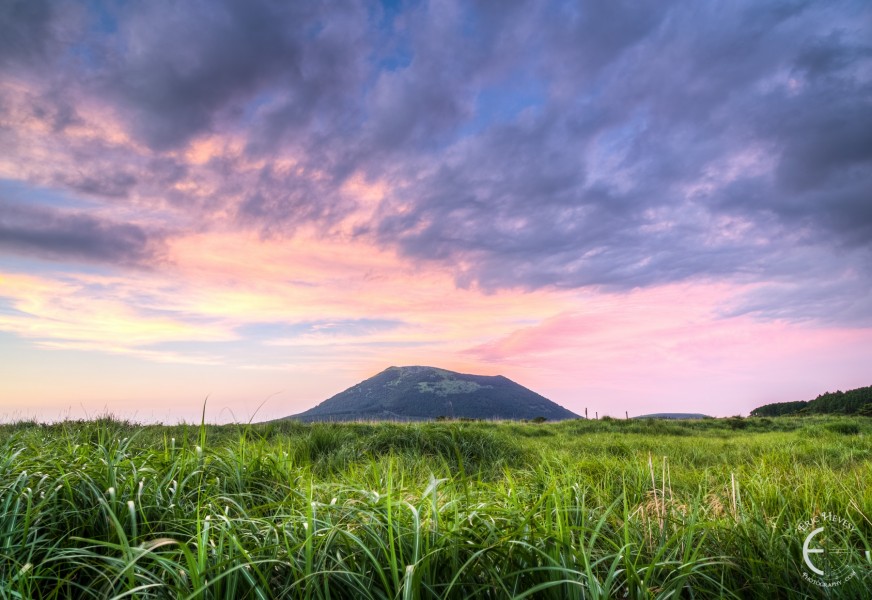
(852, 402)
(420, 393)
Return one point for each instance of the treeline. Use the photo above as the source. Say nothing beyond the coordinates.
(852, 402)
(779, 408)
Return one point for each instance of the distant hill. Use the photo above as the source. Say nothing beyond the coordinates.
(673, 416)
(421, 393)
(852, 402)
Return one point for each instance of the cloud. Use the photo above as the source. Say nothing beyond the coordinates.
(73, 236)
(299, 59)
(704, 143)
(518, 144)
(840, 298)
(25, 27)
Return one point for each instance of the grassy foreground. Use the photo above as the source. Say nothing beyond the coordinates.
(603, 509)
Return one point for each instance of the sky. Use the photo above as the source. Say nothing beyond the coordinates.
(626, 206)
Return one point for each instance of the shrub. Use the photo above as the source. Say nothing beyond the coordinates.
(844, 428)
(737, 422)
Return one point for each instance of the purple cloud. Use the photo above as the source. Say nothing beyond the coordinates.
(73, 236)
(649, 143)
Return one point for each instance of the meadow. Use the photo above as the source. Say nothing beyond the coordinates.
(576, 509)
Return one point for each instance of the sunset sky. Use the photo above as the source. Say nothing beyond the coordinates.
(625, 206)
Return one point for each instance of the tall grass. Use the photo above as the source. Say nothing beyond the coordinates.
(578, 509)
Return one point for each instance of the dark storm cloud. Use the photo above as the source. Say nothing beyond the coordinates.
(66, 236)
(526, 144)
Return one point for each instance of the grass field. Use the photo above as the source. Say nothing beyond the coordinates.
(578, 509)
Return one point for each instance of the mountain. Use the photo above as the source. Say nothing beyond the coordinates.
(852, 402)
(421, 393)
